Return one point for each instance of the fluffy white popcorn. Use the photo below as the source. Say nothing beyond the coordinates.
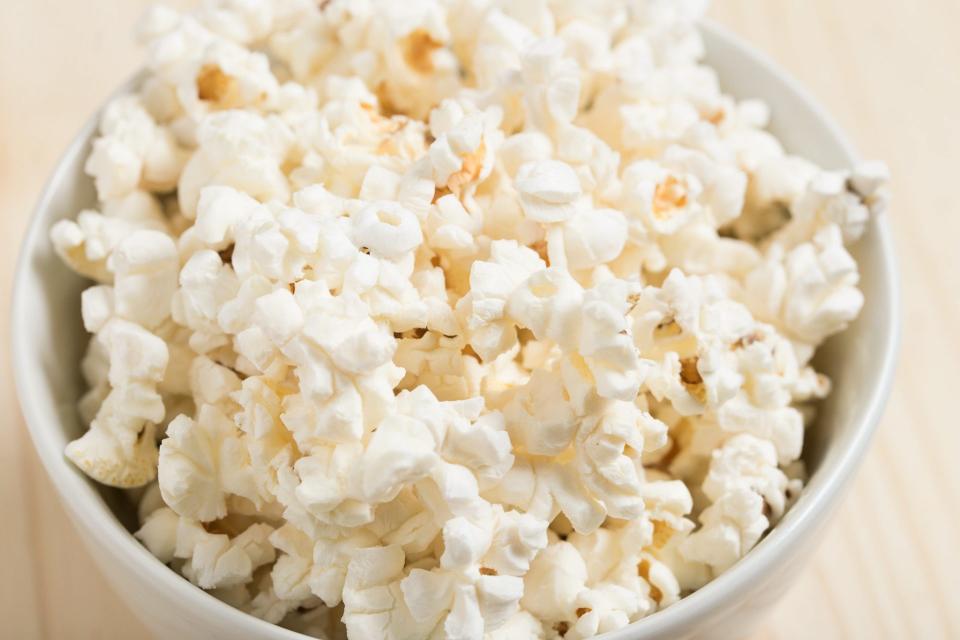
(119, 449)
(87, 242)
(243, 21)
(550, 85)
(96, 307)
(421, 441)
(516, 542)
(145, 266)
(808, 291)
(614, 590)
(238, 149)
(730, 527)
(220, 211)
(548, 190)
(662, 200)
(408, 522)
(374, 604)
(554, 581)
(780, 426)
(133, 152)
(206, 285)
(387, 230)
(747, 461)
(463, 319)
(520, 625)
(466, 143)
(210, 560)
(309, 567)
(846, 199)
(438, 363)
(593, 238)
(470, 592)
(201, 463)
(490, 330)
(596, 471)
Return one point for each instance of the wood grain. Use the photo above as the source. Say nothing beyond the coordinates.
(889, 565)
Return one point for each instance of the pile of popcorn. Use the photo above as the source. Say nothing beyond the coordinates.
(452, 318)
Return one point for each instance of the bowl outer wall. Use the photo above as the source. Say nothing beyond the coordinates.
(728, 607)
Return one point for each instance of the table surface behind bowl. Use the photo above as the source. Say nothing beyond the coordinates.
(889, 565)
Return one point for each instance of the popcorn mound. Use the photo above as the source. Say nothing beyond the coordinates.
(452, 318)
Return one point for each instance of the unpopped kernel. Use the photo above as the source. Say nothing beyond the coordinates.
(476, 319)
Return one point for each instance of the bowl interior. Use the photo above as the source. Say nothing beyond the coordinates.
(49, 338)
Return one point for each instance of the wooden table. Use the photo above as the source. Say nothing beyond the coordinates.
(889, 566)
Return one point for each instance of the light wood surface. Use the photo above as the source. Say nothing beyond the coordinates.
(889, 565)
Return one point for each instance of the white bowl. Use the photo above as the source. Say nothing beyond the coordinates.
(48, 340)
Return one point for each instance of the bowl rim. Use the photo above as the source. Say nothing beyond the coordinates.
(87, 506)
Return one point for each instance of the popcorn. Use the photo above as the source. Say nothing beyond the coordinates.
(438, 363)
(518, 539)
(551, 85)
(211, 560)
(206, 285)
(540, 418)
(781, 426)
(133, 152)
(119, 449)
(491, 283)
(470, 597)
(145, 266)
(846, 199)
(158, 533)
(237, 149)
(220, 211)
(201, 463)
(623, 581)
(466, 142)
(374, 604)
(291, 573)
(776, 183)
(421, 439)
(809, 292)
(87, 243)
(96, 307)
(554, 580)
(730, 527)
(406, 521)
(519, 625)
(387, 230)
(213, 384)
(747, 461)
(594, 238)
(663, 201)
(548, 191)
(243, 22)
(466, 319)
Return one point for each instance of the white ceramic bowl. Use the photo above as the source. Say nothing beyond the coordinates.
(48, 340)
